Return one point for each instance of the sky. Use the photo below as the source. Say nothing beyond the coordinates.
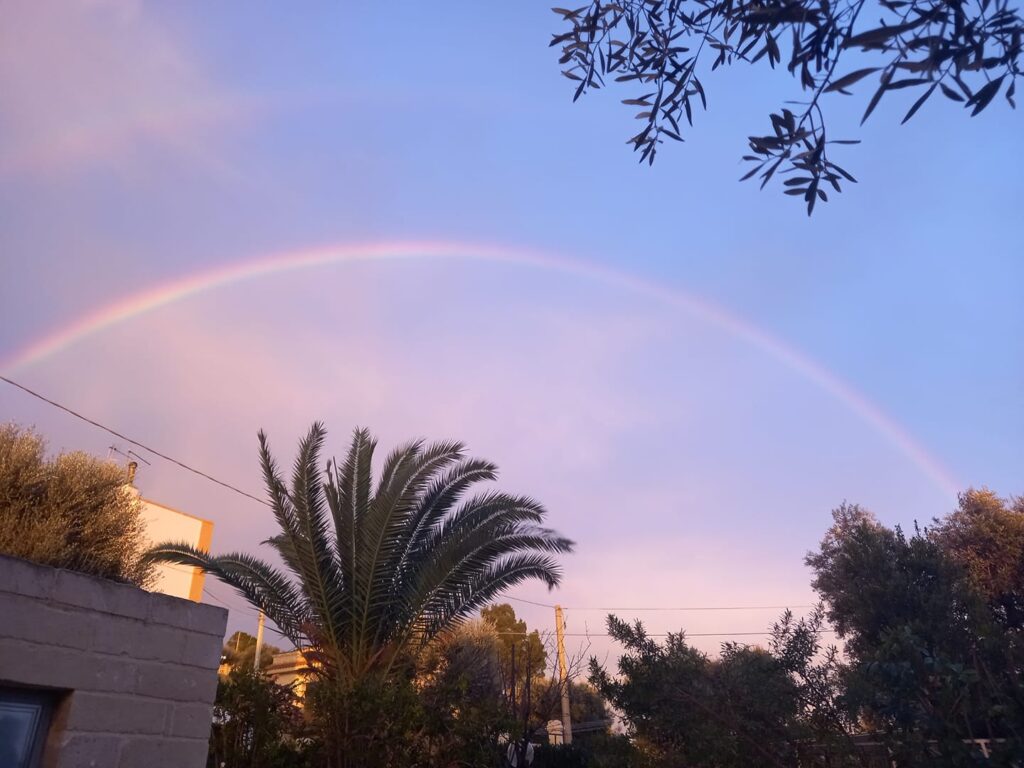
(688, 372)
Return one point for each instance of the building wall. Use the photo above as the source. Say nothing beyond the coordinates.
(290, 669)
(164, 524)
(134, 672)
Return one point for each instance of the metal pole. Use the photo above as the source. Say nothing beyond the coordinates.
(563, 675)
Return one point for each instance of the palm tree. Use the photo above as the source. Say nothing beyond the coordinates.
(371, 574)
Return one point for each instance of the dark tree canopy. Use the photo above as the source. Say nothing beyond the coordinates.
(969, 50)
(932, 629)
(515, 637)
(750, 706)
(240, 652)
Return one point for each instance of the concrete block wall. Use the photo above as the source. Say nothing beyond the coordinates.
(135, 672)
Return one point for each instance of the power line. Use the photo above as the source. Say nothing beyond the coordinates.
(247, 495)
(665, 608)
(117, 434)
(667, 634)
(239, 609)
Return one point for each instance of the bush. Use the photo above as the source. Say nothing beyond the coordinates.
(560, 756)
(369, 723)
(257, 724)
(72, 511)
(599, 750)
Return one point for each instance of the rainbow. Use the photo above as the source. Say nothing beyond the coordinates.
(705, 311)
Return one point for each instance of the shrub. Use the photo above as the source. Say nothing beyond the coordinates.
(70, 511)
(256, 724)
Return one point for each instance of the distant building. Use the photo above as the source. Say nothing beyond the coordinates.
(290, 669)
(164, 524)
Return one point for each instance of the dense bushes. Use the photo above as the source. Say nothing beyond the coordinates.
(932, 672)
(72, 511)
(258, 724)
(601, 750)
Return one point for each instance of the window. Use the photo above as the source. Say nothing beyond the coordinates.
(24, 720)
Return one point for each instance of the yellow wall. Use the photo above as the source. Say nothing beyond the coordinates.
(163, 525)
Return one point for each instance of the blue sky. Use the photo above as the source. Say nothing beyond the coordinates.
(142, 143)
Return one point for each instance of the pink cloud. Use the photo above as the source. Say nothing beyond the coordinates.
(670, 488)
(96, 81)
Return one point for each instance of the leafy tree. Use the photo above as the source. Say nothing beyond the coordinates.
(750, 706)
(240, 651)
(985, 537)
(933, 666)
(460, 682)
(597, 750)
(256, 723)
(521, 652)
(374, 572)
(967, 49)
(586, 705)
(71, 511)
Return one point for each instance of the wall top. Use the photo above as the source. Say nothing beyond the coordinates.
(79, 590)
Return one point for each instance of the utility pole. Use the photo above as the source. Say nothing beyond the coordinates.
(563, 674)
(259, 644)
(512, 686)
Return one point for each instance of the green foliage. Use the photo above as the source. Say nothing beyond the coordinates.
(750, 706)
(240, 651)
(515, 640)
(531, 698)
(256, 724)
(73, 511)
(967, 49)
(593, 751)
(985, 537)
(368, 723)
(464, 709)
(374, 571)
(560, 756)
(930, 623)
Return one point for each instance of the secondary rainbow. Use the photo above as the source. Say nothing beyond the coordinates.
(695, 306)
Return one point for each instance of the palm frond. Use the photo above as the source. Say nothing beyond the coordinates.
(389, 520)
(321, 576)
(462, 599)
(370, 569)
(352, 488)
(288, 542)
(438, 500)
(480, 511)
(263, 586)
(394, 462)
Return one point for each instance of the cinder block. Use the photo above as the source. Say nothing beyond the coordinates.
(32, 619)
(191, 721)
(185, 614)
(21, 577)
(202, 650)
(163, 753)
(113, 713)
(207, 620)
(53, 667)
(173, 611)
(83, 750)
(139, 669)
(129, 637)
(100, 595)
(177, 683)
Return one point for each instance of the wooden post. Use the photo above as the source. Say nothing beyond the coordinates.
(259, 644)
(563, 676)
